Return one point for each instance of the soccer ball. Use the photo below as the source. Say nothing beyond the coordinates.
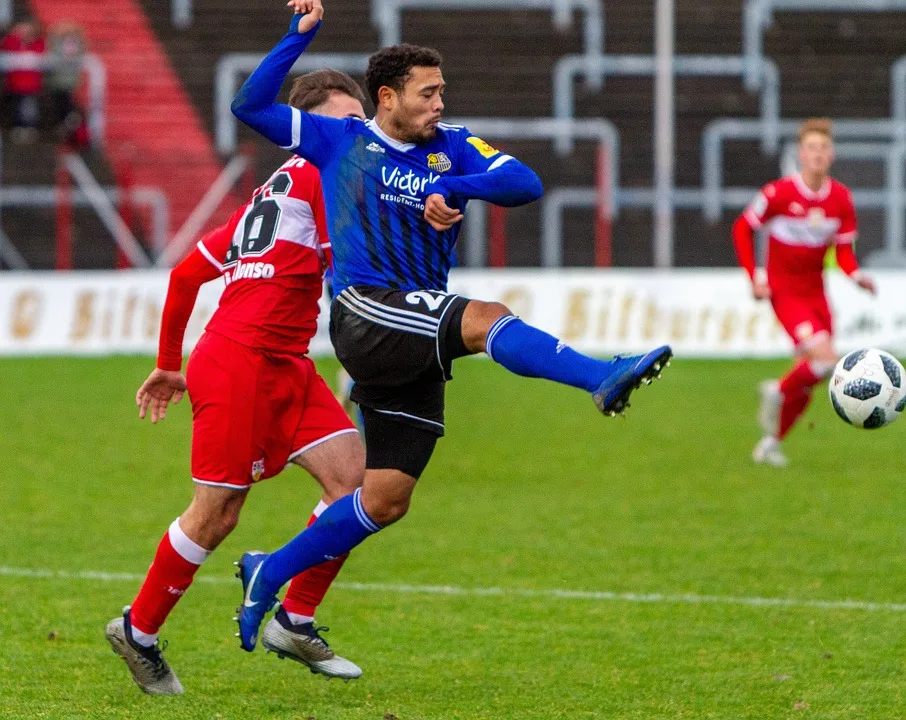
(867, 388)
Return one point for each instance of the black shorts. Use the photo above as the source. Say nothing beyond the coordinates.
(399, 346)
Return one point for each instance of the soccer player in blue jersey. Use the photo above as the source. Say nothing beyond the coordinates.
(395, 188)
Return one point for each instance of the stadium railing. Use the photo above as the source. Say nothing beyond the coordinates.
(758, 15)
(719, 131)
(568, 67)
(386, 15)
(231, 65)
(607, 180)
(188, 234)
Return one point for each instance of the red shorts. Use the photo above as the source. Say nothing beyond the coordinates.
(253, 411)
(804, 317)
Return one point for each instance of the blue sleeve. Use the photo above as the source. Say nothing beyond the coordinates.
(489, 175)
(311, 136)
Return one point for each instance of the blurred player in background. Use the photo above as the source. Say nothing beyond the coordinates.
(396, 188)
(803, 214)
(257, 401)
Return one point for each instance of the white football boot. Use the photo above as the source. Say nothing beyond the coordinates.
(768, 452)
(304, 644)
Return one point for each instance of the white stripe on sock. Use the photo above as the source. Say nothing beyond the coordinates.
(319, 508)
(185, 546)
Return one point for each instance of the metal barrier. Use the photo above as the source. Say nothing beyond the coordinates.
(727, 129)
(186, 236)
(225, 85)
(568, 67)
(181, 13)
(543, 129)
(758, 14)
(387, 16)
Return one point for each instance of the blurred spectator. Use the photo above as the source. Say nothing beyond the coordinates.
(67, 55)
(26, 46)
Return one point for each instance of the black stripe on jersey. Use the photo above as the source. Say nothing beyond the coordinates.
(392, 252)
(427, 235)
(415, 272)
(371, 241)
(365, 223)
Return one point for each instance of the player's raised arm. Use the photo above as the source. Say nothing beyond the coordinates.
(491, 176)
(311, 136)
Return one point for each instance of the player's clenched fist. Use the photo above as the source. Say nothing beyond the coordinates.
(313, 11)
(157, 391)
(439, 215)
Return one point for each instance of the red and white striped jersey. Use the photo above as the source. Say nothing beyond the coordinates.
(801, 225)
(272, 254)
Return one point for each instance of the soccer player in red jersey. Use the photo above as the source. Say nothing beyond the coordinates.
(804, 214)
(258, 402)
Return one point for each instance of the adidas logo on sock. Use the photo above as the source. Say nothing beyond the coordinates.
(374, 147)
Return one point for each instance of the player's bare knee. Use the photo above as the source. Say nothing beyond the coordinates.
(822, 356)
(386, 511)
(386, 495)
(338, 465)
(477, 321)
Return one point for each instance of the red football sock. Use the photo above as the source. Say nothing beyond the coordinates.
(796, 388)
(307, 590)
(170, 575)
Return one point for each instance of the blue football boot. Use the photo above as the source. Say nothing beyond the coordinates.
(627, 374)
(256, 601)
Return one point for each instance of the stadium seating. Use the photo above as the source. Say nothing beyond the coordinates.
(830, 63)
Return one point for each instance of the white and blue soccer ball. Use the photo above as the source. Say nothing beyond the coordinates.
(868, 388)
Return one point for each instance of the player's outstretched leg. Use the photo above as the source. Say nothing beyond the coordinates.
(341, 527)
(530, 352)
(303, 643)
(147, 665)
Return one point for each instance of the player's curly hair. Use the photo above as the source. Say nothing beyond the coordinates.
(390, 66)
(314, 88)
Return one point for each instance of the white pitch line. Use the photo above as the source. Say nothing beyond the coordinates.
(592, 595)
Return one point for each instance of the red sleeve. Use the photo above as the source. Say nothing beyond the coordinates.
(847, 231)
(846, 258)
(198, 267)
(320, 214)
(744, 241)
(763, 207)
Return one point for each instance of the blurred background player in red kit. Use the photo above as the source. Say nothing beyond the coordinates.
(25, 47)
(258, 402)
(803, 214)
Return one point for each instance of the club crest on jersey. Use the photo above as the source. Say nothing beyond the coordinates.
(257, 470)
(439, 162)
(796, 209)
(816, 217)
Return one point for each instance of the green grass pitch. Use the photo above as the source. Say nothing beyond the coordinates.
(531, 490)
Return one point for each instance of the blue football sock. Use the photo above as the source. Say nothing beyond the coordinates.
(340, 528)
(530, 352)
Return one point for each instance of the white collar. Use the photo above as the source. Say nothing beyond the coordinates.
(395, 144)
(808, 193)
